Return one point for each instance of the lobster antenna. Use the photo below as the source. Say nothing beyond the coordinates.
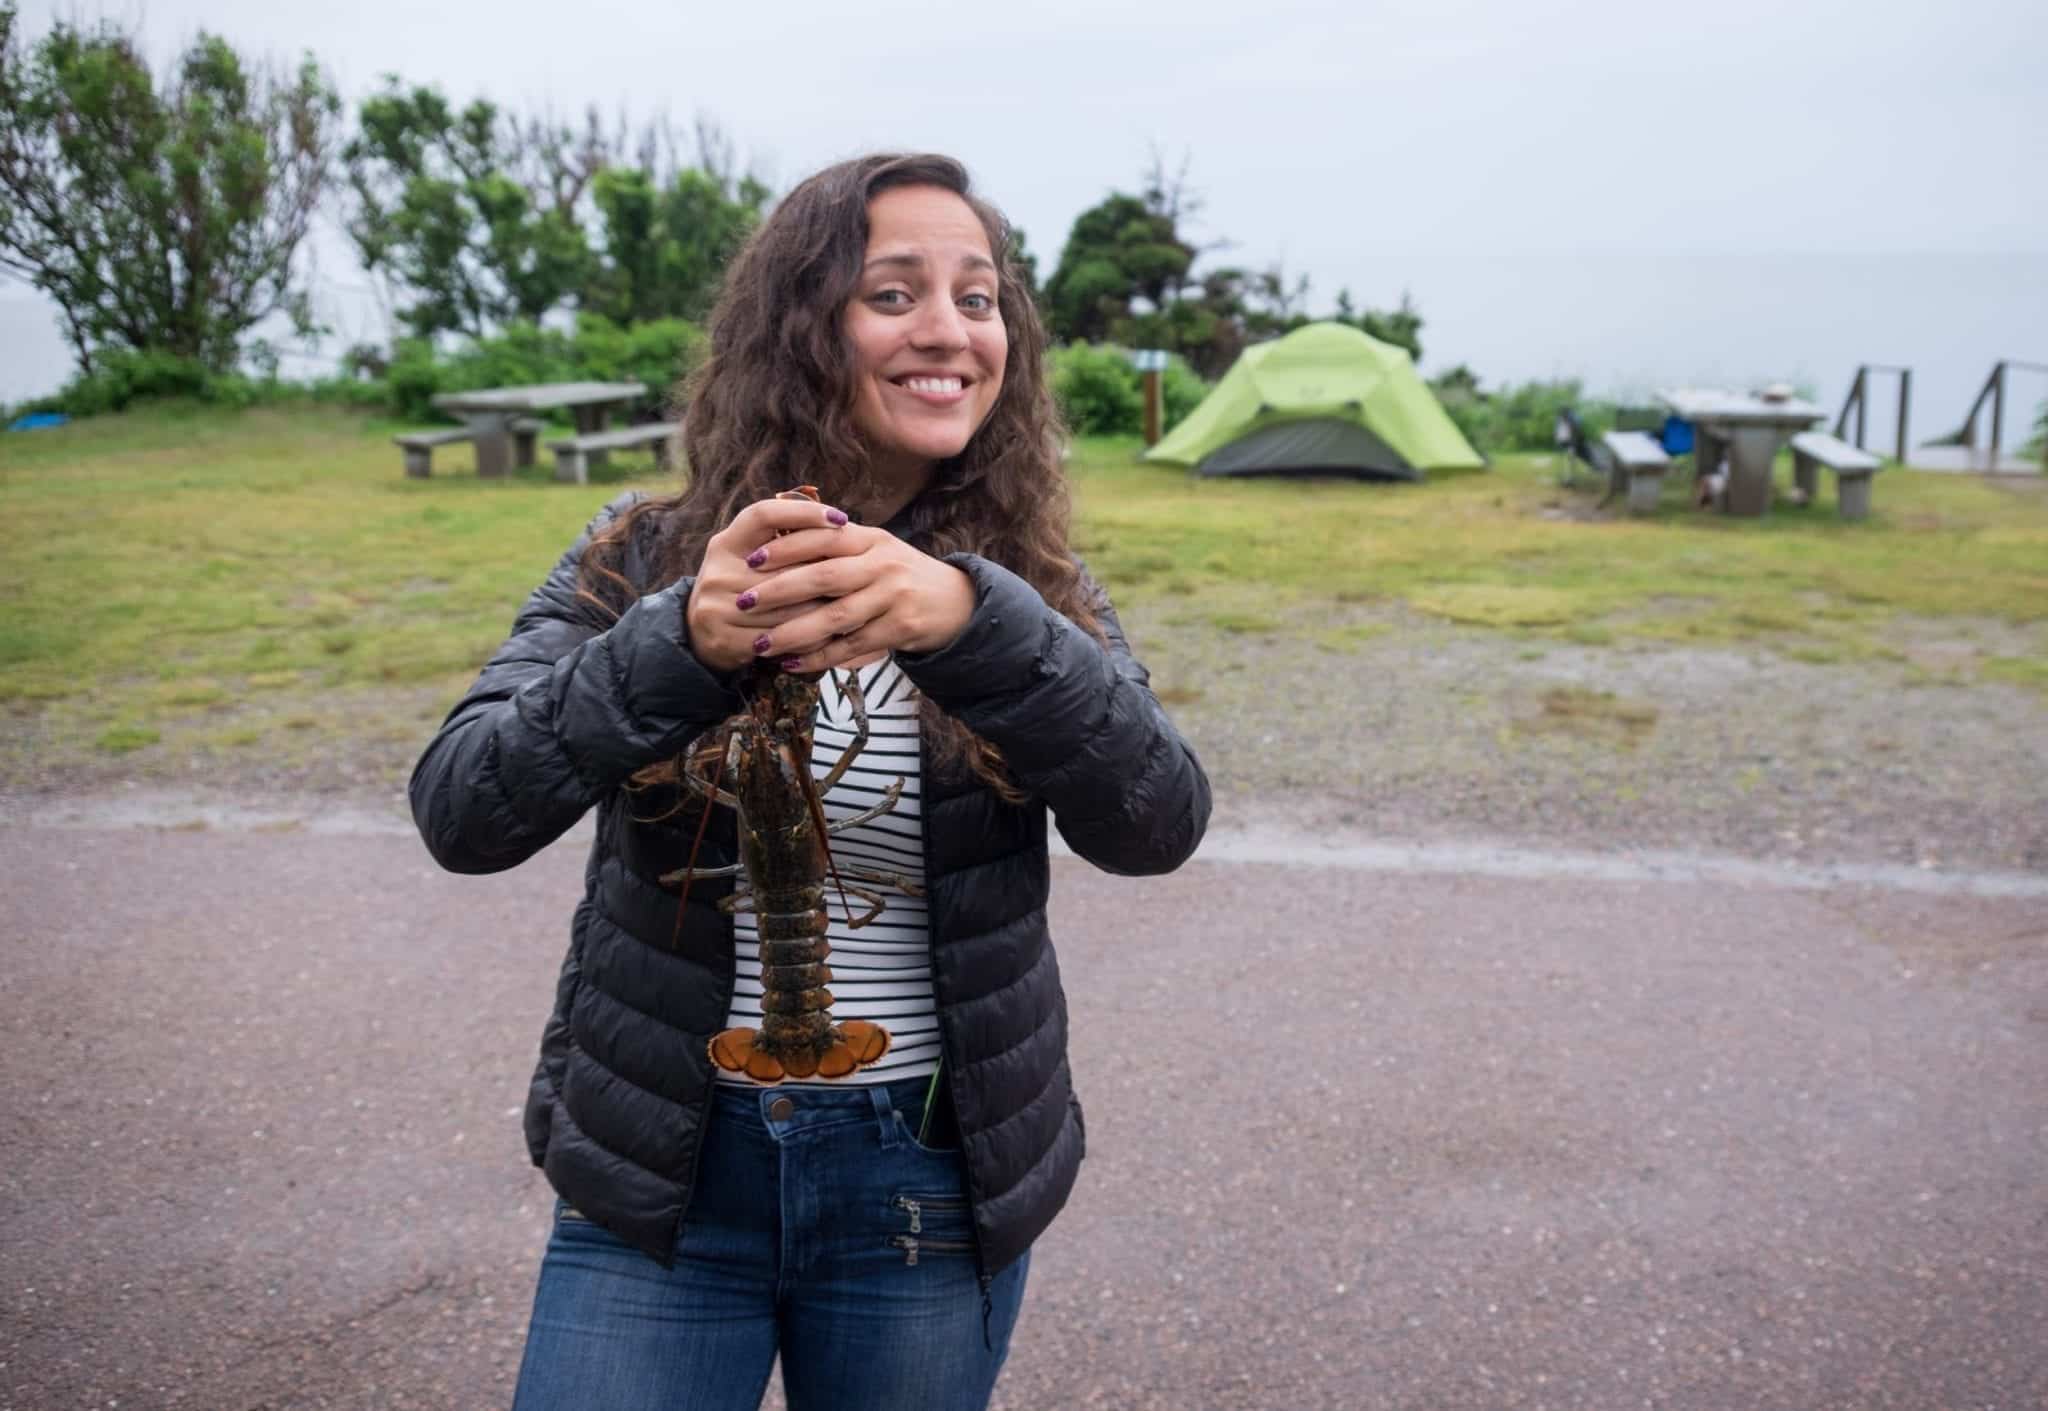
(690, 867)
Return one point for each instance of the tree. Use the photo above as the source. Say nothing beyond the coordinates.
(473, 214)
(668, 228)
(1026, 264)
(1120, 251)
(1402, 326)
(164, 219)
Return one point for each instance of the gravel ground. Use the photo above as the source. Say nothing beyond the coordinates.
(1433, 731)
(1430, 731)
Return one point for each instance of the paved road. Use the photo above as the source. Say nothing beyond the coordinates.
(1359, 1138)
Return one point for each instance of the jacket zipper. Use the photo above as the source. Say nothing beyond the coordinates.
(730, 971)
(948, 1063)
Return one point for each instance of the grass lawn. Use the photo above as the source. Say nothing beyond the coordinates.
(226, 583)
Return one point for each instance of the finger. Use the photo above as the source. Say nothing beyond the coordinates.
(840, 617)
(760, 618)
(764, 519)
(827, 578)
(859, 649)
(810, 546)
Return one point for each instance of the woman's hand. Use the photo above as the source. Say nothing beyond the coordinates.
(724, 635)
(831, 595)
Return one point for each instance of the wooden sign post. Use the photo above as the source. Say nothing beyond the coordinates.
(1150, 363)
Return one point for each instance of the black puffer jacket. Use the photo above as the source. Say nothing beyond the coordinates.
(567, 710)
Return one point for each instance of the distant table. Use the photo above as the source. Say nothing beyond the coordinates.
(1749, 430)
(490, 413)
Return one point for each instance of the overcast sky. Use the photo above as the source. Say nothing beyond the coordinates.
(1445, 147)
(1316, 132)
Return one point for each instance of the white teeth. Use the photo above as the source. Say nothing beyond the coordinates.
(932, 384)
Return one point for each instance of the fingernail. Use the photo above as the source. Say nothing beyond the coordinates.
(792, 663)
(761, 645)
(757, 558)
(744, 600)
(835, 518)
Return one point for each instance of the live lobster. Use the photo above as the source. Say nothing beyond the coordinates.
(764, 751)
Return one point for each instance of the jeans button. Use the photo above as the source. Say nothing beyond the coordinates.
(781, 1110)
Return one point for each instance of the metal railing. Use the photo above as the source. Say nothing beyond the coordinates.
(1994, 391)
(1858, 402)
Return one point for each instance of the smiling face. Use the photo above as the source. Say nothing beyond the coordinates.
(928, 339)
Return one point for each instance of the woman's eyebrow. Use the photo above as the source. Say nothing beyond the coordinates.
(910, 261)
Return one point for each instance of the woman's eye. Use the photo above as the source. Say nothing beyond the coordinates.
(978, 303)
(890, 298)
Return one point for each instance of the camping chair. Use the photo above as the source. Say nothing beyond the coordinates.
(1570, 438)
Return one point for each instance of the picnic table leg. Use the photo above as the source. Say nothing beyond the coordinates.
(493, 433)
(593, 417)
(1706, 460)
(1751, 449)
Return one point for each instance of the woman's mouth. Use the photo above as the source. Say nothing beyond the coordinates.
(938, 391)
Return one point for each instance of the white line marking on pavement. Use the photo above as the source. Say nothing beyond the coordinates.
(1275, 848)
(1228, 846)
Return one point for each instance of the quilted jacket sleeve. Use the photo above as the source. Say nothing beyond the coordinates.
(1075, 719)
(564, 712)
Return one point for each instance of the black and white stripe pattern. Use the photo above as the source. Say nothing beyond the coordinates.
(881, 972)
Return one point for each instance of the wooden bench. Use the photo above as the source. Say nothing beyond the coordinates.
(575, 455)
(1853, 470)
(1635, 459)
(419, 445)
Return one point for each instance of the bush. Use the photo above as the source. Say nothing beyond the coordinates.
(1518, 418)
(121, 377)
(659, 353)
(1097, 389)
(1180, 392)
(1101, 394)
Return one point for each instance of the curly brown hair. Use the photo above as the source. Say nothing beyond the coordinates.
(772, 406)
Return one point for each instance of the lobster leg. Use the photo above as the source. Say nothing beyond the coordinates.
(875, 900)
(849, 687)
(737, 903)
(868, 815)
(878, 878)
(708, 788)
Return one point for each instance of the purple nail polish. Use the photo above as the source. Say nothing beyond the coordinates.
(835, 518)
(761, 645)
(792, 663)
(757, 558)
(744, 600)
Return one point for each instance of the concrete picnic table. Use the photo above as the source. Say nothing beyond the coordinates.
(490, 412)
(1751, 430)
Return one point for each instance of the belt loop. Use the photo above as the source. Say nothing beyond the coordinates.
(885, 1114)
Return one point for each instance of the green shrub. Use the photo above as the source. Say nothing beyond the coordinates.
(1518, 418)
(1180, 391)
(1101, 394)
(1097, 389)
(122, 377)
(659, 353)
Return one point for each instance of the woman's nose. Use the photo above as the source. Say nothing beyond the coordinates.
(940, 325)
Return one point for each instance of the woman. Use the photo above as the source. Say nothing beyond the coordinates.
(874, 1230)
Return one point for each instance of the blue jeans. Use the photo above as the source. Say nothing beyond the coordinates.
(820, 1230)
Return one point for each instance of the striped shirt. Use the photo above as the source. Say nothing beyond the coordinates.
(882, 971)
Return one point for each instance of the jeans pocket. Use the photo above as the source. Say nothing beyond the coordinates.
(909, 1135)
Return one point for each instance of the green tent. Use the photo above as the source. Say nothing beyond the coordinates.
(1324, 398)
